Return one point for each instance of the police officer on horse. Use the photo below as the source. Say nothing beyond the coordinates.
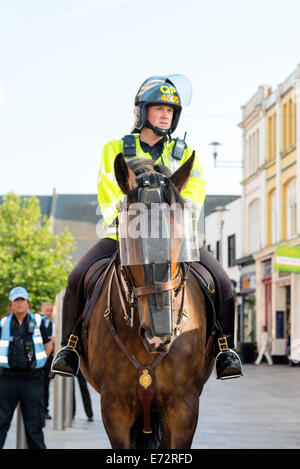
(157, 109)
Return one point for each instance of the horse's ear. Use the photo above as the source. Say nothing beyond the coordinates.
(124, 175)
(181, 176)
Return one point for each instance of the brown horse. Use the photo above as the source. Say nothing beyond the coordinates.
(149, 368)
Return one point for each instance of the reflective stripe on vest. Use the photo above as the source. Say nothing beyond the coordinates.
(39, 350)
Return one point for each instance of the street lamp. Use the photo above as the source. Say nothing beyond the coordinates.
(223, 164)
(215, 153)
(220, 211)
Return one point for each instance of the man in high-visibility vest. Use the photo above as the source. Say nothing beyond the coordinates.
(157, 111)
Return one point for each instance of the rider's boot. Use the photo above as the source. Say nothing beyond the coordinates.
(228, 363)
(66, 361)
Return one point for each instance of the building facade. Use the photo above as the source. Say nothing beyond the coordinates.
(223, 238)
(271, 203)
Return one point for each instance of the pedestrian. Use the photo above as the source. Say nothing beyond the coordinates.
(86, 398)
(264, 347)
(24, 346)
(47, 311)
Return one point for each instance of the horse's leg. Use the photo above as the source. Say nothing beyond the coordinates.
(166, 435)
(180, 422)
(117, 425)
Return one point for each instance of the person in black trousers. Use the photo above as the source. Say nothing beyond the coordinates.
(24, 347)
(86, 398)
(47, 311)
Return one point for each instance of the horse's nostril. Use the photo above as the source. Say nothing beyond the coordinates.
(145, 332)
(142, 331)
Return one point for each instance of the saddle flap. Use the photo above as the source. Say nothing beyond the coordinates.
(205, 279)
(207, 285)
(93, 275)
(93, 283)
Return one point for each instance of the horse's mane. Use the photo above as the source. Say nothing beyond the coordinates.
(142, 165)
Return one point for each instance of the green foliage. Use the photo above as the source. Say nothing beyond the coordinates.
(30, 255)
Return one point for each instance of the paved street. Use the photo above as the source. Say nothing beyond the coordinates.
(259, 411)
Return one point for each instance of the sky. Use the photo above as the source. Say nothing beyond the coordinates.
(70, 69)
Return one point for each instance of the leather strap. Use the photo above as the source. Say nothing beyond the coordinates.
(157, 288)
(108, 316)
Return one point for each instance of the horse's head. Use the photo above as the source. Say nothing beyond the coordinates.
(154, 236)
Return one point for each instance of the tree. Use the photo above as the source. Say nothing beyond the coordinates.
(30, 255)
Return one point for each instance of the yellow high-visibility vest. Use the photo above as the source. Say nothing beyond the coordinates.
(109, 192)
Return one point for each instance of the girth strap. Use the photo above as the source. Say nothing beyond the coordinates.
(109, 319)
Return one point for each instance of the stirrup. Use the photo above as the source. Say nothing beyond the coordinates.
(223, 349)
(238, 375)
(64, 373)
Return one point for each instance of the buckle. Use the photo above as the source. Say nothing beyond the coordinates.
(72, 342)
(222, 343)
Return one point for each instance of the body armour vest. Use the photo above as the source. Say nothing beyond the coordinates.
(30, 350)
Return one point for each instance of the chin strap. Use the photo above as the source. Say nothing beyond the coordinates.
(157, 130)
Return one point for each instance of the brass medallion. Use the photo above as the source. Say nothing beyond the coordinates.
(145, 379)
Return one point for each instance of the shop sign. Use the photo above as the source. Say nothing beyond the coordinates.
(287, 258)
(248, 282)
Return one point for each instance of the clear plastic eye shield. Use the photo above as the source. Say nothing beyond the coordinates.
(157, 233)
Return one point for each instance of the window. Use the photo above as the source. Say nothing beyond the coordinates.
(231, 250)
(291, 208)
(288, 124)
(285, 127)
(271, 137)
(253, 153)
(254, 226)
(273, 217)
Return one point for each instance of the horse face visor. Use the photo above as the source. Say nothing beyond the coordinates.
(156, 233)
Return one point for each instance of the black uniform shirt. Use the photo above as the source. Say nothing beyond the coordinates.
(21, 330)
(156, 150)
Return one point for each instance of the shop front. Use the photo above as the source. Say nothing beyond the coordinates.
(247, 313)
(287, 311)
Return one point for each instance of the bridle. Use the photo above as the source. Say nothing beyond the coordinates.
(132, 292)
(128, 294)
(149, 190)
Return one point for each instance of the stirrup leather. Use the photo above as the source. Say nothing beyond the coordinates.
(223, 345)
(72, 342)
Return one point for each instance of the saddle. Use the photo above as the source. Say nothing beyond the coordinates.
(93, 282)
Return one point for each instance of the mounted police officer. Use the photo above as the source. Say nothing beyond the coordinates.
(24, 347)
(157, 109)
